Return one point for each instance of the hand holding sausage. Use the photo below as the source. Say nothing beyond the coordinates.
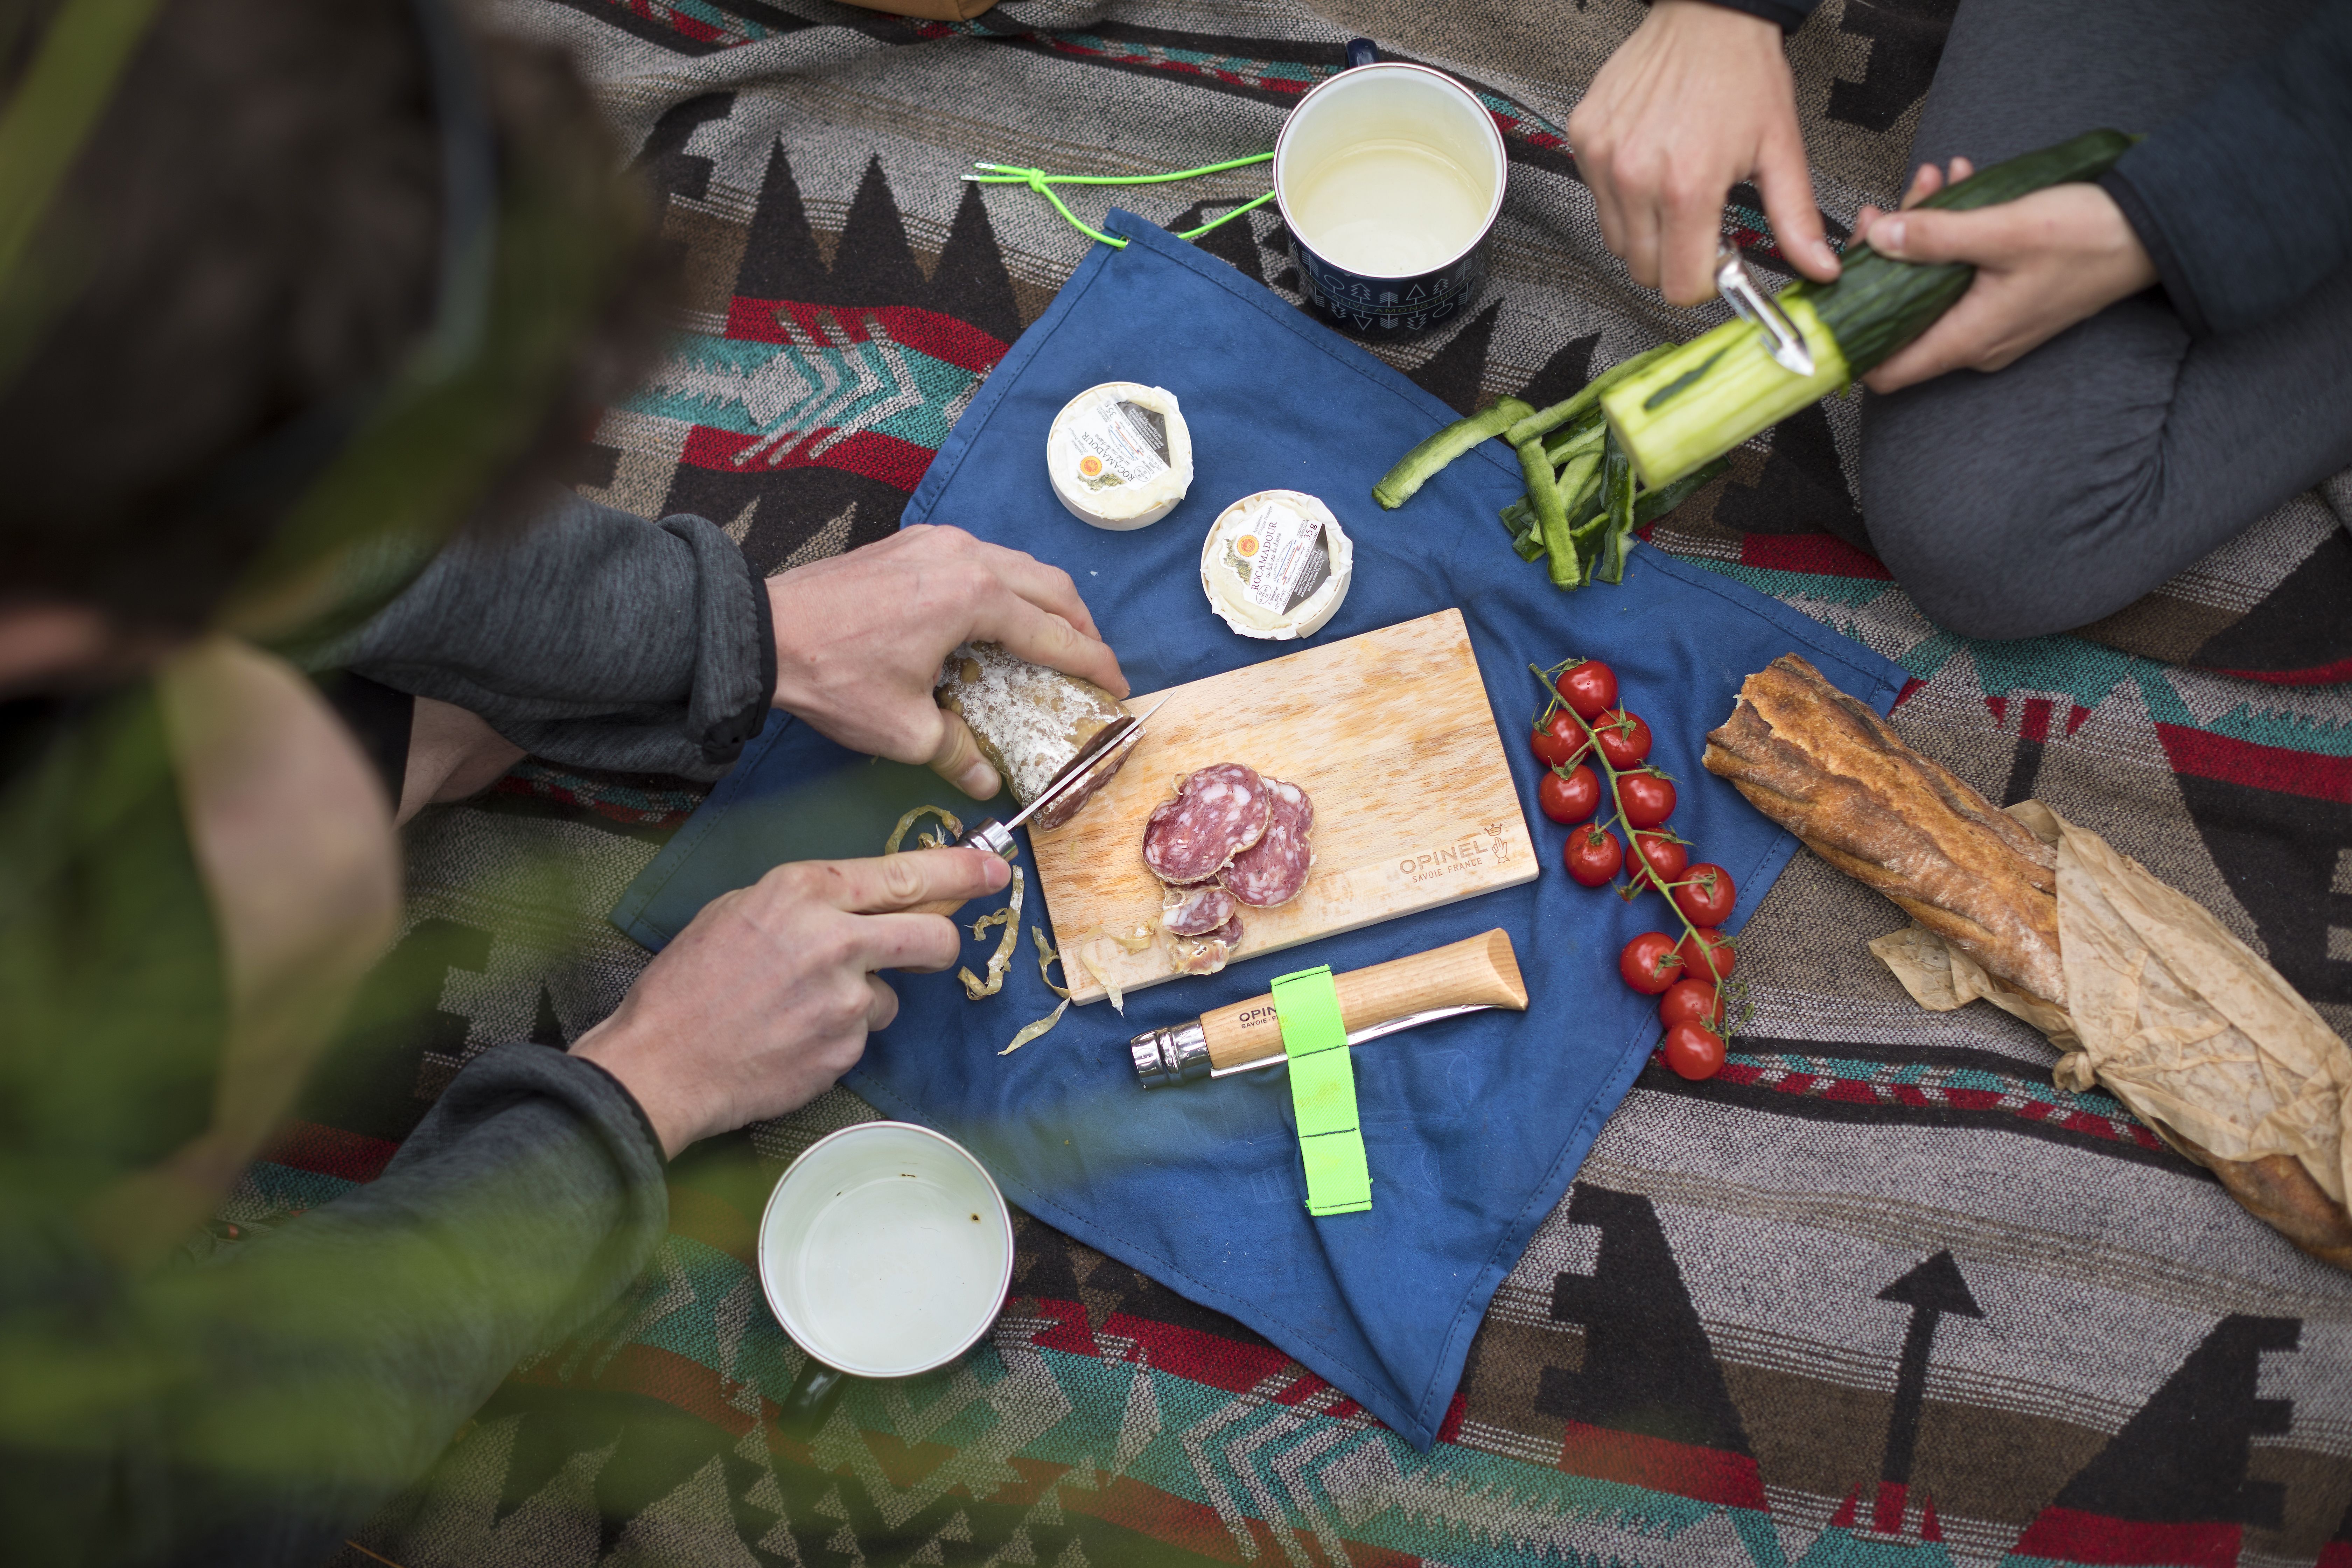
(1697, 100)
(767, 996)
(860, 638)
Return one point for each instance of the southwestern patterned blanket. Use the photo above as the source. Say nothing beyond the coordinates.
(1878, 1294)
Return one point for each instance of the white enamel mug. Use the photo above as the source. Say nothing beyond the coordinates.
(885, 1251)
(1390, 176)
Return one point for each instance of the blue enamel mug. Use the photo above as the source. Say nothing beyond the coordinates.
(1389, 176)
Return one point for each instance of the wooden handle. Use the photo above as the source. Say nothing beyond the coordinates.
(1479, 969)
(939, 906)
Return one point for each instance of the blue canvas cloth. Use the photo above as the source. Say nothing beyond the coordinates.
(1473, 1126)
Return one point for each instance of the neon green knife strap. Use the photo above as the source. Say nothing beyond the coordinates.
(1323, 1093)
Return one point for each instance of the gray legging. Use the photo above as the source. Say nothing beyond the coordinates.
(2056, 491)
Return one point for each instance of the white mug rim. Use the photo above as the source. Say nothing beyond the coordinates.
(800, 1336)
(1486, 121)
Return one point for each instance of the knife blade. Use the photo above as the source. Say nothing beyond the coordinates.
(1102, 754)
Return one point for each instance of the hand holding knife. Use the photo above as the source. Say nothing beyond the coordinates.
(1096, 761)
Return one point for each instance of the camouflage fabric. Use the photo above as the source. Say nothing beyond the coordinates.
(1876, 1294)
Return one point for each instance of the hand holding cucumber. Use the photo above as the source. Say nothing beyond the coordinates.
(2044, 261)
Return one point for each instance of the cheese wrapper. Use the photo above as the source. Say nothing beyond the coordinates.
(2186, 1025)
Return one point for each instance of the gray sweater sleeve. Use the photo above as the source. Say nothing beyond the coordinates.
(522, 1208)
(591, 637)
(2246, 203)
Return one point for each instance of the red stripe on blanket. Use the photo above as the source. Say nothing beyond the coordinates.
(329, 1152)
(1703, 1474)
(2316, 675)
(2202, 754)
(1821, 554)
(1197, 1357)
(898, 464)
(928, 332)
(2068, 1535)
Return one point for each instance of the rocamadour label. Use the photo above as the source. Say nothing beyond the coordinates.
(1283, 555)
(1117, 443)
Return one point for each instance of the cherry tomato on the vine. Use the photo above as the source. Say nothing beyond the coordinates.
(1693, 1051)
(1705, 895)
(1689, 1001)
(1650, 962)
(1708, 953)
(1588, 687)
(1647, 796)
(1572, 796)
(1560, 740)
(1625, 739)
(1592, 855)
(1662, 853)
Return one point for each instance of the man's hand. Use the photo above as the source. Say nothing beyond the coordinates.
(1696, 101)
(860, 638)
(2043, 262)
(767, 996)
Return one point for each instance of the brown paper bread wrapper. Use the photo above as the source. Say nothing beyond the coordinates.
(2184, 1024)
(2142, 990)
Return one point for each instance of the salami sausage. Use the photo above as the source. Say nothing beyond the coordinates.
(1030, 722)
(1198, 911)
(1219, 811)
(1271, 871)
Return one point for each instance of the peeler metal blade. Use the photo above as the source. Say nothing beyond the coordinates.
(1751, 304)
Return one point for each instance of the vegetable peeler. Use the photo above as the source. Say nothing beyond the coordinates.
(1751, 304)
(1474, 976)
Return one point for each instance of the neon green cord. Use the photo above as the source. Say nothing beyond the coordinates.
(1042, 184)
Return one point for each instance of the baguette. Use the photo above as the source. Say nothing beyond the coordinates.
(1829, 770)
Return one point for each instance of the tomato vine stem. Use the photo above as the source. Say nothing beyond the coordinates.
(1634, 885)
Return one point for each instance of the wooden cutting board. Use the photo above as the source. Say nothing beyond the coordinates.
(1389, 733)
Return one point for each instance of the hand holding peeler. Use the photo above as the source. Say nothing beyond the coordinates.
(1751, 304)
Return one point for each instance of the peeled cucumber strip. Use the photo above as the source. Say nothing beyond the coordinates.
(1421, 465)
(1583, 398)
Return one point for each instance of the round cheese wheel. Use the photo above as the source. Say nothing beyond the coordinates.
(1119, 454)
(1276, 564)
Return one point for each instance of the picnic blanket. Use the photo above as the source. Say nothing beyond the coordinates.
(1875, 1293)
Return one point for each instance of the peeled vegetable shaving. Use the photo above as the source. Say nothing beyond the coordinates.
(928, 840)
(1009, 917)
(1046, 959)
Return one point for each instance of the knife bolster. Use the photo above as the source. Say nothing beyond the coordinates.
(1179, 1055)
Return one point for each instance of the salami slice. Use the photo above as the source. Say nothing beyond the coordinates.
(1219, 811)
(1271, 871)
(1198, 911)
(1230, 932)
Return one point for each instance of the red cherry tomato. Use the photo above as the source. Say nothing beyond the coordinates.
(1592, 855)
(1707, 952)
(1650, 962)
(1705, 895)
(1648, 797)
(1688, 1001)
(1561, 741)
(1572, 796)
(1693, 1052)
(1625, 739)
(1588, 687)
(1662, 854)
